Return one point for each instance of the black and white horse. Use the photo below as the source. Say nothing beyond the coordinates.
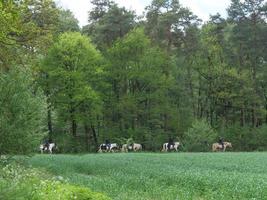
(51, 147)
(172, 147)
(108, 148)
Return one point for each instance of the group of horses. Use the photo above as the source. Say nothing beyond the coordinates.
(114, 147)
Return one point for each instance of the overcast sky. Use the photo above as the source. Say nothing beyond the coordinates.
(202, 8)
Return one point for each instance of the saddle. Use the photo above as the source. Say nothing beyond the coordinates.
(221, 146)
(45, 147)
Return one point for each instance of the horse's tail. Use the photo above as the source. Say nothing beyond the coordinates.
(163, 148)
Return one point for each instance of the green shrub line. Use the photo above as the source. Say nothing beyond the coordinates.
(27, 183)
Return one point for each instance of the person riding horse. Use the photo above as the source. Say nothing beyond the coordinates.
(170, 143)
(221, 142)
(46, 143)
(108, 144)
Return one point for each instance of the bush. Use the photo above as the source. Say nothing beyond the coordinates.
(246, 138)
(200, 137)
(17, 182)
(22, 109)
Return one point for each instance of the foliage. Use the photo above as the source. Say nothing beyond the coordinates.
(70, 69)
(22, 108)
(146, 77)
(108, 22)
(246, 138)
(200, 136)
(18, 182)
(67, 22)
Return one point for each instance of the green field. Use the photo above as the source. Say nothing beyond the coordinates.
(169, 176)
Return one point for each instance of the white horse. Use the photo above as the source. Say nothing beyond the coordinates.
(124, 148)
(49, 149)
(112, 148)
(135, 147)
(218, 147)
(172, 147)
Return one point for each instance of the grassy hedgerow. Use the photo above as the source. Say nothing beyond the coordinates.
(154, 176)
(18, 182)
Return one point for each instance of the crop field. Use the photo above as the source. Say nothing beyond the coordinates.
(164, 176)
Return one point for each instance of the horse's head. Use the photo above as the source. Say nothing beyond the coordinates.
(177, 144)
(228, 144)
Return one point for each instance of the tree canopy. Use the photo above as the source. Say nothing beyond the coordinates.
(150, 78)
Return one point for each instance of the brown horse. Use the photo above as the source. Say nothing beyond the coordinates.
(218, 147)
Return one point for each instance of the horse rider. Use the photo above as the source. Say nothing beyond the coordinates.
(170, 143)
(46, 144)
(221, 142)
(108, 145)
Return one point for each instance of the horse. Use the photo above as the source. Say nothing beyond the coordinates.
(124, 148)
(104, 148)
(50, 148)
(172, 147)
(218, 147)
(135, 147)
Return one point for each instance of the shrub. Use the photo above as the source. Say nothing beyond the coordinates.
(200, 136)
(246, 138)
(18, 182)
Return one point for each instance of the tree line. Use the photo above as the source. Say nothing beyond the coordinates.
(166, 74)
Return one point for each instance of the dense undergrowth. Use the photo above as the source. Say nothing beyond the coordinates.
(18, 182)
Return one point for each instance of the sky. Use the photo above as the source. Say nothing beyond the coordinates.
(202, 8)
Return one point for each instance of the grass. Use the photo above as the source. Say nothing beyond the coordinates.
(164, 176)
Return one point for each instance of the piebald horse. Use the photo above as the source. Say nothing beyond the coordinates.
(112, 148)
(50, 149)
(172, 147)
(218, 147)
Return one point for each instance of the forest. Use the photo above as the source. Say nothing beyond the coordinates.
(166, 74)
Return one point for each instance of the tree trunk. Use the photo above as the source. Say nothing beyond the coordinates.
(94, 136)
(74, 127)
(88, 136)
(49, 119)
(253, 117)
(49, 108)
(73, 122)
(242, 117)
